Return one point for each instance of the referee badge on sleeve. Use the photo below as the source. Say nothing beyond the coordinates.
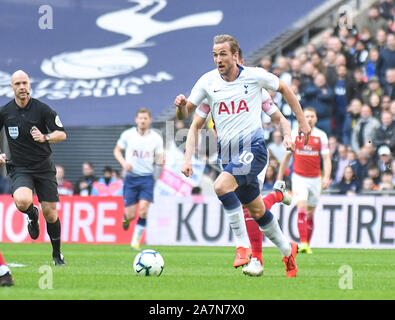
(13, 132)
(58, 122)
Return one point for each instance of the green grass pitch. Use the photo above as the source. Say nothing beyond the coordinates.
(195, 273)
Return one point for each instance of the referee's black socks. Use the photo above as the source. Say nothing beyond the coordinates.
(53, 230)
(30, 212)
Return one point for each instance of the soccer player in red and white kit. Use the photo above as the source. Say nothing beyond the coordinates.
(306, 177)
(234, 93)
(5, 274)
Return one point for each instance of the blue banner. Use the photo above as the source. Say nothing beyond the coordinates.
(97, 62)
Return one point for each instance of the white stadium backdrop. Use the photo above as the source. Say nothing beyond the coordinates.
(340, 222)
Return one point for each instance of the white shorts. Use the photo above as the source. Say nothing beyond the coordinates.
(307, 189)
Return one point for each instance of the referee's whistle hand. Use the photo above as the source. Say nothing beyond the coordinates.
(37, 135)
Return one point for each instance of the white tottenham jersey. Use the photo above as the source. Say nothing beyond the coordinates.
(235, 106)
(140, 151)
(268, 106)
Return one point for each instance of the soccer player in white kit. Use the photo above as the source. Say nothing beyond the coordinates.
(234, 92)
(143, 148)
(279, 193)
(306, 177)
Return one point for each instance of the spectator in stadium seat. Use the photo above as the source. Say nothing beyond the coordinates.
(385, 103)
(270, 177)
(358, 84)
(360, 55)
(339, 163)
(276, 146)
(296, 68)
(343, 91)
(374, 104)
(348, 184)
(386, 181)
(364, 129)
(385, 158)
(307, 76)
(330, 64)
(362, 164)
(386, 9)
(83, 186)
(319, 96)
(349, 41)
(368, 186)
(65, 187)
(350, 119)
(374, 173)
(371, 63)
(333, 145)
(385, 135)
(392, 110)
(372, 21)
(366, 38)
(386, 59)
(266, 63)
(381, 39)
(317, 62)
(107, 185)
(389, 86)
(372, 87)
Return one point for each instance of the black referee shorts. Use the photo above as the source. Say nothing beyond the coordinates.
(42, 181)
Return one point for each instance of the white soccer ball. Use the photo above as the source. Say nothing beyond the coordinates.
(148, 263)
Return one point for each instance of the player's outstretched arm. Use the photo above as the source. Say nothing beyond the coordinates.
(184, 107)
(285, 128)
(293, 102)
(191, 143)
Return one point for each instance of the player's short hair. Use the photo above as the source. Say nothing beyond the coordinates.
(310, 109)
(233, 43)
(240, 54)
(143, 110)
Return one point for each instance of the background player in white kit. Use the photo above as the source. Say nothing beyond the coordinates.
(143, 148)
(306, 177)
(234, 93)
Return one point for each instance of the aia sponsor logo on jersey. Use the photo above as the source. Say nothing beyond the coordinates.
(233, 108)
(141, 154)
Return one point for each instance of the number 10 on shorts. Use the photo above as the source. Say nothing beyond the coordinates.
(246, 157)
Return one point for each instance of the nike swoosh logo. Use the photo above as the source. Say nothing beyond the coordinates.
(217, 90)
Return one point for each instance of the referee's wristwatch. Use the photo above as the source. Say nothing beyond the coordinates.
(47, 137)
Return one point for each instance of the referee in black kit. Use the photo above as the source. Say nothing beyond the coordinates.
(30, 126)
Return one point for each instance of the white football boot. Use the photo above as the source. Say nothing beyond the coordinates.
(254, 268)
(279, 186)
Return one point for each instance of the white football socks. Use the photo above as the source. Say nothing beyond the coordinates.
(138, 233)
(273, 232)
(238, 226)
